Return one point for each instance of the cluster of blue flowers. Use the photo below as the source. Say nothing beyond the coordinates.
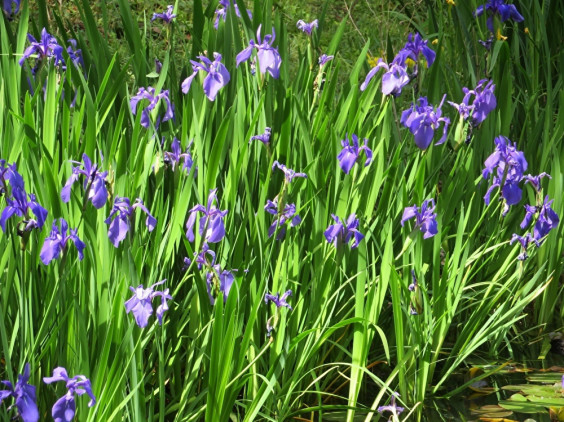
(63, 410)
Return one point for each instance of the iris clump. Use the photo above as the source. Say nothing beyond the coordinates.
(350, 153)
(221, 14)
(498, 7)
(507, 165)
(167, 16)
(425, 220)
(94, 182)
(288, 213)
(268, 57)
(422, 120)
(217, 75)
(396, 75)
(64, 409)
(150, 95)
(307, 27)
(24, 396)
(140, 304)
(212, 227)
(120, 219)
(342, 232)
(47, 48)
(55, 244)
(483, 103)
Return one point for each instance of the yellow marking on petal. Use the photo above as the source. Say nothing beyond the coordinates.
(500, 36)
(409, 62)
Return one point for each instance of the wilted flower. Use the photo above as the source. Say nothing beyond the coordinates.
(524, 241)
(264, 137)
(20, 206)
(141, 306)
(507, 165)
(546, 221)
(166, 16)
(343, 232)
(484, 102)
(324, 58)
(149, 94)
(350, 153)
(173, 158)
(211, 223)
(222, 13)
(57, 240)
(64, 409)
(498, 7)
(94, 182)
(9, 173)
(414, 47)
(268, 57)
(393, 80)
(24, 395)
(307, 27)
(422, 120)
(392, 407)
(217, 75)
(289, 174)
(424, 220)
(288, 214)
(218, 281)
(47, 47)
(279, 301)
(122, 213)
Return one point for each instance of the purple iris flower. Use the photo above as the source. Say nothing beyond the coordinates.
(507, 165)
(535, 181)
(484, 102)
(211, 223)
(416, 46)
(24, 394)
(9, 173)
(307, 27)
(57, 240)
(289, 214)
(498, 7)
(140, 303)
(217, 75)
(422, 120)
(524, 241)
(324, 58)
(149, 94)
(64, 409)
(546, 221)
(11, 7)
(20, 206)
(219, 281)
(289, 174)
(424, 220)
(350, 153)
(264, 137)
(122, 213)
(94, 182)
(166, 16)
(173, 158)
(392, 407)
(222, 13)
(268, 57)
(278, 300)
(343, 232)
(47, 47)
(75, 54)
(393, 80)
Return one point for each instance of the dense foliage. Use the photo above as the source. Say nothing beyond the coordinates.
(266, 232)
